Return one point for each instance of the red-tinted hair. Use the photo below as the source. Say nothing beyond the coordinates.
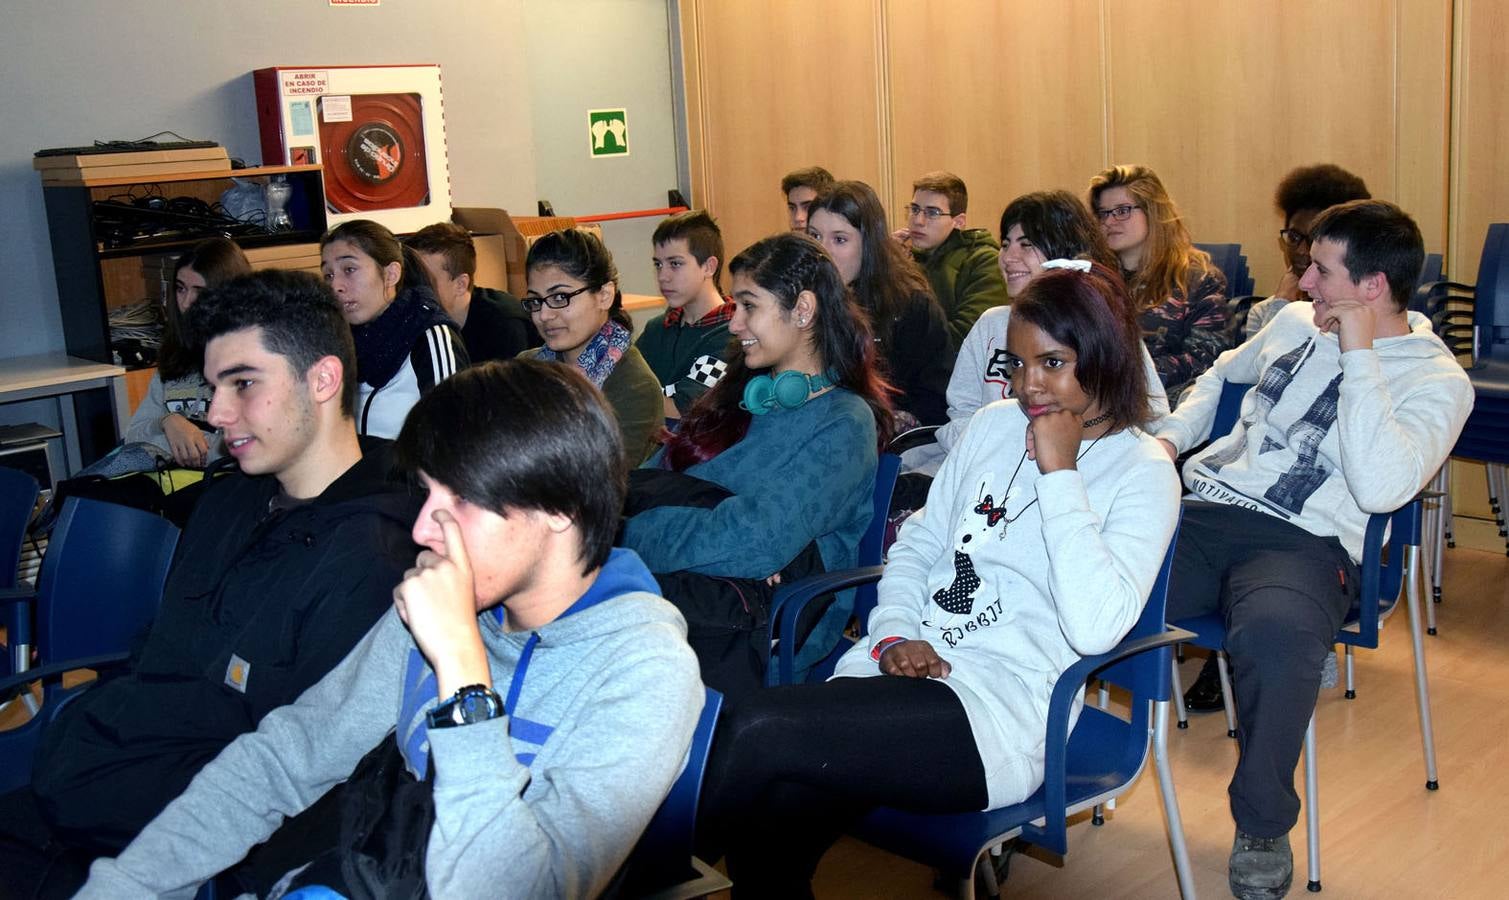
(1092, 314)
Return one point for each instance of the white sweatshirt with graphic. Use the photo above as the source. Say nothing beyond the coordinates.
(1325, 438)
(1013, 575)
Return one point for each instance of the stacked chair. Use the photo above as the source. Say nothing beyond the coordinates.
(1473, 320)
(1232, 262)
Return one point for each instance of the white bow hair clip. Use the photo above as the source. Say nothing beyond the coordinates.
(1078, 265)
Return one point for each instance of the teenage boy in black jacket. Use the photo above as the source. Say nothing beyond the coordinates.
(281, 570)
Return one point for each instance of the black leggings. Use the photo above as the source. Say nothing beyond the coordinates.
(792, 767)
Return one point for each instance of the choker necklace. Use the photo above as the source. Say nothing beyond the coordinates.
(994, 514)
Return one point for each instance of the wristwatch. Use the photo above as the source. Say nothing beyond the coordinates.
(471, 704)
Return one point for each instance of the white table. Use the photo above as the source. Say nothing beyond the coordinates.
(69, 380)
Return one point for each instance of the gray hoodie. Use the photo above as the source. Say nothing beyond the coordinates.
(614, 687)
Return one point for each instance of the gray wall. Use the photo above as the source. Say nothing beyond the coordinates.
(604, 54)
(72, 71)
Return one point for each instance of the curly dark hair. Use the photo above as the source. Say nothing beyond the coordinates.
(1317, 188)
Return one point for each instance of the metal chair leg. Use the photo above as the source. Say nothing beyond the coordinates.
(1179, 699)
(1170, 802)
(1491, 471)
(1351, 691)
(1451, 540)
(1422, 688)
(1312, 808)
(1097, 815)
(1231, 716)
(1442, 523)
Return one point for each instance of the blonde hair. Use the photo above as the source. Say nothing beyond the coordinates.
(1168, 256)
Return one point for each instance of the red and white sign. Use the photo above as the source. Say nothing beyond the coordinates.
(305, 82)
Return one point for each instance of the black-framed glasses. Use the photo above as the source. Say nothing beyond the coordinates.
(1294, 237)
(930, 213)
(558, 300)
(1119, 213)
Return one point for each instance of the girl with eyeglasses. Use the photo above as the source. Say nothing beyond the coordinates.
(574, 301)
(1040, 542)
(771, 473)
(910, 329)
(405, 343)
(1179, 293)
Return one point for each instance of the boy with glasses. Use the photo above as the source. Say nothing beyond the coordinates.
(961, 263)
(1304, 193)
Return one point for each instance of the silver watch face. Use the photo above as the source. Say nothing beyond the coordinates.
(477, 706)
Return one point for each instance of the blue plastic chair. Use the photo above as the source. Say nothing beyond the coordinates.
(100, 586)
(800, 593)
(1233, 265)
(1097, 762)
(18, 498)
(662, 864)
(1382, 580)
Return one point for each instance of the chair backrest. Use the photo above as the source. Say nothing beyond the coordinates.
(1141, 674)
(18, 497)
(872, 543)
(102, 578)
(1227, 258)
(1431, 271)
(663, 855)
(1228, 408)
(1491, 304)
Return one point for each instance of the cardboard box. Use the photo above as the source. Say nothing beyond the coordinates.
(502, 242)
(379, 132)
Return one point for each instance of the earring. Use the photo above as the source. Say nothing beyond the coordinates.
(802, 322)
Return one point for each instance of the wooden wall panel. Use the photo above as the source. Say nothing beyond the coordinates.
(1000, 92)
(1423, 103)
(1222, 98)
(1480, 170)
(776, 86)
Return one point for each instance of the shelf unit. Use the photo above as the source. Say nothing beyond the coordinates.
(93, 279)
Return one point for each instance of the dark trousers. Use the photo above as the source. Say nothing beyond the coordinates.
(793, 766)
(34, 865)
(1283, 593)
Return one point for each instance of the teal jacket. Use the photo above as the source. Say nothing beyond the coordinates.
(798, 475)
(965, 274)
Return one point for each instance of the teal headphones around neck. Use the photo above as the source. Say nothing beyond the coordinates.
(787, 390)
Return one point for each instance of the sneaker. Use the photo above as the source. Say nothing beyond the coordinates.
(1204, 695)
(1260, 868)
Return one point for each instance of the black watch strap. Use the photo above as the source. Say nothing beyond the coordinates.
(469, 705)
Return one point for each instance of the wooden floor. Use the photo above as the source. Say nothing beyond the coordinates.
(1382, 834)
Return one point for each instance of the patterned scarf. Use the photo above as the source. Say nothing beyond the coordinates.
(601, 354)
